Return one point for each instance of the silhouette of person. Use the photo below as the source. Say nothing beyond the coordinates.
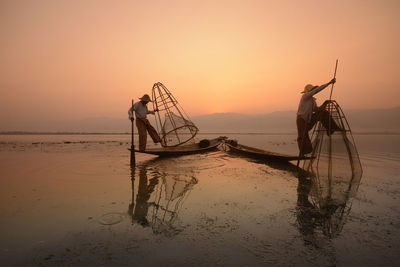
(309, 113)
(142, 123)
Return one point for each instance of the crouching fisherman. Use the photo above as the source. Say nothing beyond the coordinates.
(142, 123)
(309, 113)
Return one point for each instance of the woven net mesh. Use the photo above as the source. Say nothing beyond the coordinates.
(177, 130)
(335, 170)
(173, 124)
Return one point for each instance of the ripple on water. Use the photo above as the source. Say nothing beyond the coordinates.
(111, 218)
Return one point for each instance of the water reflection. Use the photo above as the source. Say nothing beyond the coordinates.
(316, 215)
(158, 194)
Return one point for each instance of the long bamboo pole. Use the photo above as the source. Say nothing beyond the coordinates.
(133, 159)
(334, 76)
(330, 137)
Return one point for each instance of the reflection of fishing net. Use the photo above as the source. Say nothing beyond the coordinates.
(172, 123)
(160, 195)
(335, 168)
(177, 187)
(334, 217)
(169, 199)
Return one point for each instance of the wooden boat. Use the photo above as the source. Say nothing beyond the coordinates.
(257, 153)
(184, 149)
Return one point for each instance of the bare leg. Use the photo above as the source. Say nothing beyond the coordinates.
(152, 132)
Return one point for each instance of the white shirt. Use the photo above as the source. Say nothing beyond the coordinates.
(140, 109)
(307, 103)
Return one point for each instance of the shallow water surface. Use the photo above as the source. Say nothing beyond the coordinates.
(74, 201)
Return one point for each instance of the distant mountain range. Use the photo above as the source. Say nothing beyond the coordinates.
(377, 120)
(372, 120)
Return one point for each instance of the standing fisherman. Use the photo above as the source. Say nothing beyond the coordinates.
(309, 113)
(142, 123)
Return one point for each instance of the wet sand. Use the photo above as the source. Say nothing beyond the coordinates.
(75, 201)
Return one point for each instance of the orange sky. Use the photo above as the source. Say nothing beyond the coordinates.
(78, 59)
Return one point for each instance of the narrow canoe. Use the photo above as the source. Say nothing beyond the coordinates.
(259, 154)
(183, 149)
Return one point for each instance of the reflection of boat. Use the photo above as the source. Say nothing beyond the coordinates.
(201, 147)
(257, 153)
(159, 196)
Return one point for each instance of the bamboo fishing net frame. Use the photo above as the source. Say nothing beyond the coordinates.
(164, 102)
(334, 167)
(318, 136)
(335, 170)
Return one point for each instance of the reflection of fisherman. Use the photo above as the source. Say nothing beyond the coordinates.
(309, 113)
(145, 189)
(307, 215)
(157, 201)
(142, 123)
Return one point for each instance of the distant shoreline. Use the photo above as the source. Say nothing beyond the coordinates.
(205, 133)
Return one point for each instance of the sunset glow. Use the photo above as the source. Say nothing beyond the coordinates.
(79, 59)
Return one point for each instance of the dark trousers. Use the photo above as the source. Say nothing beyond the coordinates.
(303, 139)
(145, 127)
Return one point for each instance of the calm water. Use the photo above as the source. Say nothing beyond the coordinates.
(73, 200)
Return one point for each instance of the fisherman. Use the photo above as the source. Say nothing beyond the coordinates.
(142, 123)
(309, 113)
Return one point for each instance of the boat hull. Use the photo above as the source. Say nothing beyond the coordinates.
(183, 149)
(259, 154)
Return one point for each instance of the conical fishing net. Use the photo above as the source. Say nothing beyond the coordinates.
(173, 124)
(177, 130)
(334, 167)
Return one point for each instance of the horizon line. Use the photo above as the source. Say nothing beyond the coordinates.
(204, 133)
